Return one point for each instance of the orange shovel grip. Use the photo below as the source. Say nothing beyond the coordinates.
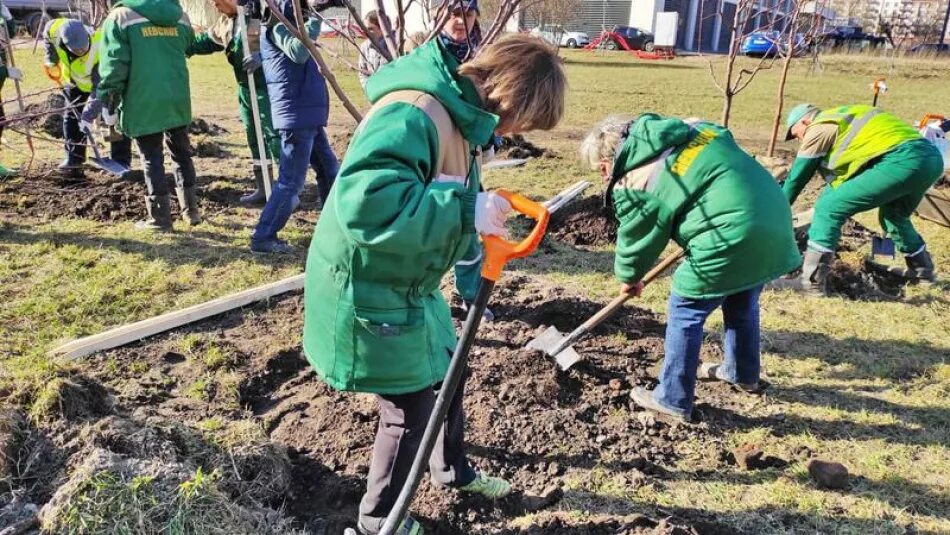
(927, 118)
(499, 251)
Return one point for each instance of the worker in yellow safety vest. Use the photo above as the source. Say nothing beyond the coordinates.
(869, 159)
(72, 61)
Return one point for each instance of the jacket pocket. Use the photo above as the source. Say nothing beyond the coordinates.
(390, 348)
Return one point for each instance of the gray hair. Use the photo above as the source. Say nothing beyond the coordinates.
(603, 141)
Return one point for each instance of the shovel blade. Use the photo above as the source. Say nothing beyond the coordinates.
(548, 342)
(110, 166)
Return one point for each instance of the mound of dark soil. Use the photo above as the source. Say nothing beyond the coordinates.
(48, 116)
(583, 222)
(200, 126)
(527, 420)
(102, 197)
(517, 146)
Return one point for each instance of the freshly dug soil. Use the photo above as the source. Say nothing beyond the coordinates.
(517, 146)
(527, 420)
(583, 222)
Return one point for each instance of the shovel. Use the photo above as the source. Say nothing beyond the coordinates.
(106, 164)
(555, 344)
(497, 253)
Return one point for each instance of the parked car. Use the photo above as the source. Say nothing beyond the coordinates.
(29, 13)
(768, 43)
(635, 38)
(851, 38)
(557, 35)
(931, 49)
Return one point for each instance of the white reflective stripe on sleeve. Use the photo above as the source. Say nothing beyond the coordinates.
(471, 262)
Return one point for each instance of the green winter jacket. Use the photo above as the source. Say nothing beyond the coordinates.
(142, 67)
(374, 317)
(711, 198)
(204, 44)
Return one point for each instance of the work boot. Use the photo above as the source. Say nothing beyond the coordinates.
(409, 526)
(188, 202)
(643, 397)
(70, 169)
(814, 277)
(159, 212)
(709, 371)
(920, 266)
(258, 197)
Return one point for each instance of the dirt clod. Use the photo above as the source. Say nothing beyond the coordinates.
(827, 474)
(548, 497)
(517, 146)
(584, 222)
(201, 126)
(751, 457)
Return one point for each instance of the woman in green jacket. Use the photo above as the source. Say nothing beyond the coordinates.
(404, 209)
(688, 181)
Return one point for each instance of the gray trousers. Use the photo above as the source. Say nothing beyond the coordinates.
(402, 422)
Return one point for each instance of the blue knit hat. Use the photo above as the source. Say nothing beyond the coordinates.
(468, 5)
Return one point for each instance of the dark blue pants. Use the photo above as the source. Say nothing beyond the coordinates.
(299, 148)
(684, 336)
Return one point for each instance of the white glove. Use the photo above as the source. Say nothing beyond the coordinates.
(109, 118)
(491, 210)
(14, 74)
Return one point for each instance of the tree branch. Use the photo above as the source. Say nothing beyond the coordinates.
(387, 27)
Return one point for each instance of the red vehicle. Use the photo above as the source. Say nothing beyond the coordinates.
(332, 26)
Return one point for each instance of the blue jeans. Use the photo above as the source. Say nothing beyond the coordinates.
(684, 336)
(299, 148)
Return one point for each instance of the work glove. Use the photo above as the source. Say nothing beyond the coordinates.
(54, 73)
(491, 210)
(109, 118)
(252, 62)
(92, 110)
(14, 74)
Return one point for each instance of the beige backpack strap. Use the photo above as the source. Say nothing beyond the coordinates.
(434, 110)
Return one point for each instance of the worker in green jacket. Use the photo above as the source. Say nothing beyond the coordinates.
(869, 159)
(228, 39)
(404, 209)
(144, 78)
(689, 182)
(6, 71)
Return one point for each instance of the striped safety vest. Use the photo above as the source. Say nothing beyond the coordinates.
(864, 133)
(79, 70)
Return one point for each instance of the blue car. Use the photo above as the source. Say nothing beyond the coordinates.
(761, 44)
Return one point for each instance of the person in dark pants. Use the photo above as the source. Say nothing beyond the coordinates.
(145, 78)
(72, 61)
(6, 72)
(300, 107)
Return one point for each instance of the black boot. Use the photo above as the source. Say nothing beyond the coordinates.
(258, 197)
(69, 168)
(920, 266)
(188, 202)
(159, 212)
(814, 277)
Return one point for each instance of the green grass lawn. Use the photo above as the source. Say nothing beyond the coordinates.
(863, 383)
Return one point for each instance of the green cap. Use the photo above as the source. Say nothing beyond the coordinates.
(796, 114)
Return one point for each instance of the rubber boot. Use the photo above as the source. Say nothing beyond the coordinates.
(920, 266)
(70, 169)
(814, 277)
(159, 212)
(258, 197)
(6, 173)
(188, 202)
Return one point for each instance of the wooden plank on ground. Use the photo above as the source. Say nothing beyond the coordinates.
(133, 332)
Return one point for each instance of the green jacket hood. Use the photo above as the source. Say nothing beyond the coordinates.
(432, 70)
(159, 12)
(649, 135)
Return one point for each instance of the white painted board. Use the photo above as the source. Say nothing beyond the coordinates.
(666, 25)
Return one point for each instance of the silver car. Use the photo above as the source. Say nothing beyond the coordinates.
(557, 35)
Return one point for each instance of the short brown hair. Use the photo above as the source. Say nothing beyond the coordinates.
(371, 17)
(523, 79)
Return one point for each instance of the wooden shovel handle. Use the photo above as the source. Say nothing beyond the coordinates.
(618, 301)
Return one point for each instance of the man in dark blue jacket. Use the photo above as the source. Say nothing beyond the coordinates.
(299, 107)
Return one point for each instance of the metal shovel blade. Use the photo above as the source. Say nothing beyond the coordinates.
(504, 164)
(110, 166)
(548, 342)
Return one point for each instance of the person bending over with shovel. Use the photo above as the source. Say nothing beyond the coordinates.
(869, 159)
(405, 207)
(688, 181)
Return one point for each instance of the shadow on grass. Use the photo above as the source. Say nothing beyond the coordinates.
(765, 519)
(207, 249)
(886, 359)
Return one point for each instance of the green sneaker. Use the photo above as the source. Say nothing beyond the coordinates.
(409, 526)
(489, 487)
(6, 173)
